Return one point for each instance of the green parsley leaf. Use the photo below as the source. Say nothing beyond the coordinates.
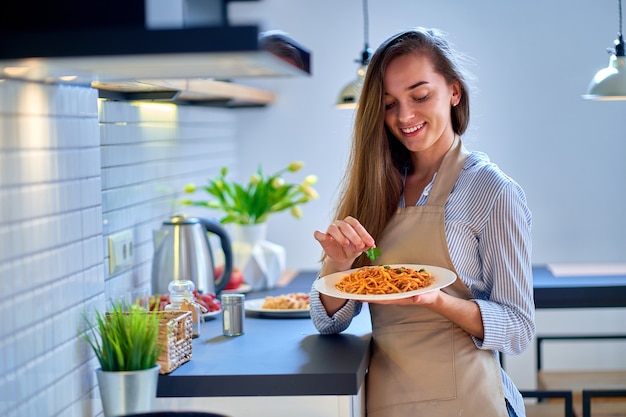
(373, 253)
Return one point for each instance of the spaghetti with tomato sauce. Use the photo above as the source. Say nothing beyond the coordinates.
(384, 279)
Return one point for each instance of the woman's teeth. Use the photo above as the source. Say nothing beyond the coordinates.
(412, 129)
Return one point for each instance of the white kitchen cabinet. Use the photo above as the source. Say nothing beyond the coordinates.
(283, 406)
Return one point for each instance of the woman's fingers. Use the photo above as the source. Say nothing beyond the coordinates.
(425, 299)
(333, 248)
(350, 231)
(321, 237)
(344, 240)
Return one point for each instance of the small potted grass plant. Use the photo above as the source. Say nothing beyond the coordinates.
(125, 342)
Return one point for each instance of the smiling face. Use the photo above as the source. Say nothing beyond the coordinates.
(417, 103)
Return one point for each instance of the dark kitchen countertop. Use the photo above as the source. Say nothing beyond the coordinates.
(596, 291)
(275, 357)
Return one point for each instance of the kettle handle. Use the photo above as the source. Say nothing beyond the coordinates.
(215, 227)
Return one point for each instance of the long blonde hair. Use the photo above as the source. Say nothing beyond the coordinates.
(372, 183)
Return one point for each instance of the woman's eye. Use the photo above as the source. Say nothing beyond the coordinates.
(422, 98)
(389, 106)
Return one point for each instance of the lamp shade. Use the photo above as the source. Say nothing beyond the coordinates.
(349, 95)
(609, 83)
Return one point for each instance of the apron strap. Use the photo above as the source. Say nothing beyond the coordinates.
(452, 163)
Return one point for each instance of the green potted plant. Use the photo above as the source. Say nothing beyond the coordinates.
(247, 208)
(125, 342)
(255, 202)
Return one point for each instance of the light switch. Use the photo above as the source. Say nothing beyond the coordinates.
(120, 251)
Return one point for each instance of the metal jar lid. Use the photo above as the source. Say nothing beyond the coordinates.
(232, 298)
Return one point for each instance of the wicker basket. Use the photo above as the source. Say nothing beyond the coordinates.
(175, 334)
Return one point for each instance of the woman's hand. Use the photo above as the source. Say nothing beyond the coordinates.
(426, 299)
(342, 242)
(465, 313)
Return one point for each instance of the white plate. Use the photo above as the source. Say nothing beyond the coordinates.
(255, 306)
(242, 289)
(443, 277)
(211, 314)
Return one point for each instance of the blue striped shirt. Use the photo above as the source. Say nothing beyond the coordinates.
(487, 225)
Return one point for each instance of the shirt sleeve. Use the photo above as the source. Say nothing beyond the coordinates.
(508, 312)
(339, 321)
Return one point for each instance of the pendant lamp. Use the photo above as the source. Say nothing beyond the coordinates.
(349, 95)
(610, 83)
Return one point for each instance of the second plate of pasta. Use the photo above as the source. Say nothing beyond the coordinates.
(385, 282)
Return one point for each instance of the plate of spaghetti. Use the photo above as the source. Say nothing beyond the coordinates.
(292, 305)
(385, 282)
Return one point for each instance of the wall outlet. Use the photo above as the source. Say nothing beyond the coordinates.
(120, 251)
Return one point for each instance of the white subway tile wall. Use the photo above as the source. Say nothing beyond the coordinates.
(149, 152)
(74, 170)
(51, 250)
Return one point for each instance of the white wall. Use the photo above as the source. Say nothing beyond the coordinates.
(534, 59)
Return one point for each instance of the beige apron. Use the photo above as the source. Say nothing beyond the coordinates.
(423, 364)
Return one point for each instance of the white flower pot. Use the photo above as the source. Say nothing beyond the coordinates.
(128, 392)
(249, 234)
(261, 262)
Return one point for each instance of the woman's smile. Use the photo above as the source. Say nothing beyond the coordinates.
(413, 130)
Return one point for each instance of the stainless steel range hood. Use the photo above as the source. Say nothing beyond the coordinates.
(134, 59)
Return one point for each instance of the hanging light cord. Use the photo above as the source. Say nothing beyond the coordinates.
(367, 52)
(620, 17)
(619, 42)
(366, 22)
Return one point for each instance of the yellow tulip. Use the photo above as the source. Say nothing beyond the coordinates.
(309, 191)
(310, 179)
(277, 182)
(295, 166)
(255, 179)
(296, 212)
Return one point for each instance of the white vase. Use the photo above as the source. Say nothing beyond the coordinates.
(249, 234)
(261, 262)
(128, 392)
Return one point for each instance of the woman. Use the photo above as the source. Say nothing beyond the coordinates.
(417, 194)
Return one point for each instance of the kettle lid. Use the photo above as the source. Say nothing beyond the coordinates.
(179, 219)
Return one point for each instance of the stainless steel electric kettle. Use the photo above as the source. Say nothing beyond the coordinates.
(182, 251)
